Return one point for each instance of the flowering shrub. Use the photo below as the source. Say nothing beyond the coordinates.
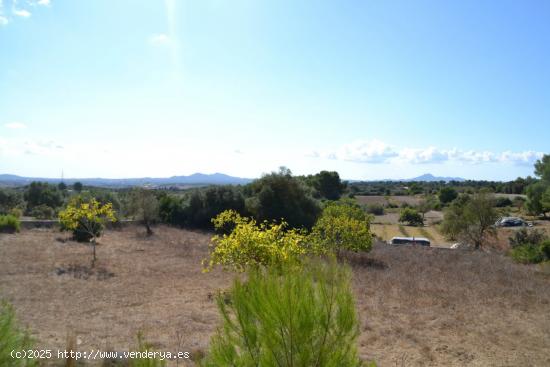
(251, 244)
(342, 225)
(86, 219)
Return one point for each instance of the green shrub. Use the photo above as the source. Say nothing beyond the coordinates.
(38, 193)
(9, 224)
(532, 253)
(10, 199)
(205, 204)
(12, 337)
(16, 212)
(411, 216)
(42, 211)
(171, 210)
(526, 236)
(447, 195)
(544, 248)
(375, 209)
(288, 317)
(502, 202)
(527, 254)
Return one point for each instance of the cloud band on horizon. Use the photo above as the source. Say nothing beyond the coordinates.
(379, 152)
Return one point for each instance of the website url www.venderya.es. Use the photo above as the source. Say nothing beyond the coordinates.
(97, 354)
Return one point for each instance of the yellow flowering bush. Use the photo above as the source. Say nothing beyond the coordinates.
(251, 244)
(86, 218)
(342, 225)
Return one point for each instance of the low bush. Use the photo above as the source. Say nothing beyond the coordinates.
(527, 254)
(288, 317)
(13, 337)
(526, 236)
(16, 212)
(545, 249)
(9, 224)
(502, 202)
(42, 212)
(375, 209)
(529, 246)
(411, 217)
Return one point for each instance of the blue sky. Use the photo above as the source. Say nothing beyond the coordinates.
(372, 89)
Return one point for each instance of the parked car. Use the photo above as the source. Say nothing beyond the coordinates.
(409, 241)
(512, 222)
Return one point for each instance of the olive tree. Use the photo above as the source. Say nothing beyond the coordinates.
(471, 219)
(144, 206)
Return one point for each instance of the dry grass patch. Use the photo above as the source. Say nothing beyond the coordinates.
(419, 306)
(442, 307)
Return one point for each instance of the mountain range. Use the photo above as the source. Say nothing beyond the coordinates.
(196, 179)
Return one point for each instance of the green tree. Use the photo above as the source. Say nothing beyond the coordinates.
(342, 226)
(42, 193)
(280, 196)
(288, 317)
(329, 185)
(538, 193)
(542, 168)
(144, 206)
(204, 204)
(537, 201)
(471, 219)
(411, 217)
(427, 204)
(447, 195)
(10, 199)
(77, 186)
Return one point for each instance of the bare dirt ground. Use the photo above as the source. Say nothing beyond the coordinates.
(418, 306)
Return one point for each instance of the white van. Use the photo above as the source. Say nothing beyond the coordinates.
(409, 241)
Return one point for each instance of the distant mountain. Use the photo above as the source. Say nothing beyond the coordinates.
(196, 179)
(428, 177)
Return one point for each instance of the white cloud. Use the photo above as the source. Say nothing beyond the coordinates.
(527, 158)
(15, 125)
(14, 147)
(423, 156)
(376, 151)
(21, 12)
(44, 2)
(373, 151)
(159, 39)
(3, 19)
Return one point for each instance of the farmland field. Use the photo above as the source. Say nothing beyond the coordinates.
(383, 200)
(415, 304)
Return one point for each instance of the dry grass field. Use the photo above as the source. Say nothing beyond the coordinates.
(383, 200)
(418, 306)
